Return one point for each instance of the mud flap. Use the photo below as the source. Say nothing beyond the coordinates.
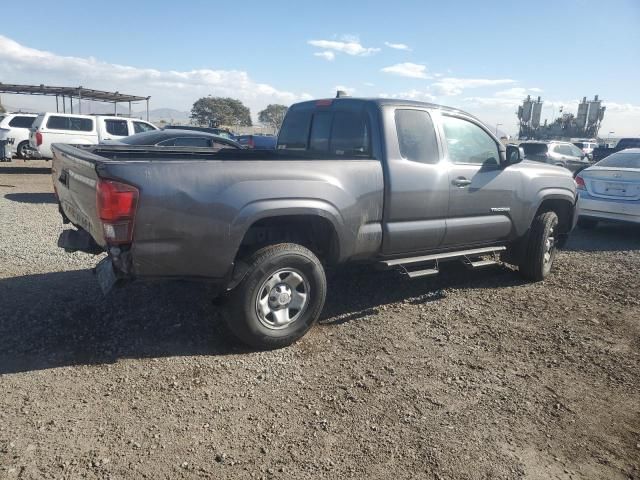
(106, 275)
(78, 241)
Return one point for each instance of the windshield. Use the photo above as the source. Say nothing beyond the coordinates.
(621, 160)
(575, 151)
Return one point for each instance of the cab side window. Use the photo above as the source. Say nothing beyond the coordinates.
(416, 136)
(118, 128)
(139, 127)
(468, 143)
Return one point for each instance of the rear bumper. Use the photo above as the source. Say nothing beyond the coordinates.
(603, 209)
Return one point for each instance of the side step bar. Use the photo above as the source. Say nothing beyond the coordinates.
(442, 256)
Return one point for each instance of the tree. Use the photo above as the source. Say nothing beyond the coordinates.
(273, 115)
(214, 111)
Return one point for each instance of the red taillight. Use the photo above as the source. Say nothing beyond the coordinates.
(116, 204)
(38, 139)
(324, 103)
(580, 183)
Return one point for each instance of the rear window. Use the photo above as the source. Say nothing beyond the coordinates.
(349, 135)
(75, 124)
(416, 136)
(21, 122)
(295, 131)
(320, 132)
(118, 128)
(629, 143)
(534, 148)
(621, 160)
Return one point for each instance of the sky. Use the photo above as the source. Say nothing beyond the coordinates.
(482, 57)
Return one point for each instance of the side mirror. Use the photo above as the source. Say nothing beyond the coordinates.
(514, 154)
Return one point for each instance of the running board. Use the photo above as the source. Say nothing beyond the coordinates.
(442, 256)
(423, 273)
(479, 263)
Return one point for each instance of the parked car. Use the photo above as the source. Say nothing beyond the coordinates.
(263, 142)
(624, 143)
(400, 184)
(221, 132)
(16, 126)
(586, 147)
(49, 128)
(176, 138)
(562, 154)
(610, 190)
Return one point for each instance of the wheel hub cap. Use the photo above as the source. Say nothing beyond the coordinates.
(282, 298)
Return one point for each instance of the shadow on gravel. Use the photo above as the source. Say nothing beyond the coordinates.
(25, 170)
(604, 238)
(40, 197)
(62, 319)
(359, 292)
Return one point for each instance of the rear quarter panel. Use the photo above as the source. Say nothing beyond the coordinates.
(192, 215)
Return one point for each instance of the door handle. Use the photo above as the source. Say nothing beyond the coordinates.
(461, 182)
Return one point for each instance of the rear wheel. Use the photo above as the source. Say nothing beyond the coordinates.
(587, 223)
(23, 150)
(279, 299)
(541, 247)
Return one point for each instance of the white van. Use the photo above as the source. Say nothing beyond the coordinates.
(16, 126)
(49, 128)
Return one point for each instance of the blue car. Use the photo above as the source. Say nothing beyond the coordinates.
(261, 142)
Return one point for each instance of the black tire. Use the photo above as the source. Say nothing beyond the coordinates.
(246, 318)
(536, 264)
(587, 223)
(20, 150)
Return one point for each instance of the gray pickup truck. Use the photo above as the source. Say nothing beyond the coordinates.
(397, 183)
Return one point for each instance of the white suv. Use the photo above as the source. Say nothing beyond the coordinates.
(49, 128)
(16, 126)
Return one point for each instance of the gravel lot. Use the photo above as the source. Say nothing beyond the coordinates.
(468, 375)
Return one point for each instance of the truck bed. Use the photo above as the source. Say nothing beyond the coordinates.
(195, 205)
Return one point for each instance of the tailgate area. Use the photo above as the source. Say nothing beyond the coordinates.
(74, 180)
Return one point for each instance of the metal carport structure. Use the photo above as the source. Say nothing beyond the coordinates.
(80, 93)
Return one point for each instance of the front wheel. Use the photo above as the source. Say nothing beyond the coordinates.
(541, 247)
(280, 297)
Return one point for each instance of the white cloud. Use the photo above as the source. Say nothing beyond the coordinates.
(397, 46)
(369, 84)
(407, 69)
(450, 86)
(327, 55)
(419, 95)
(168, 88)
(350, 46)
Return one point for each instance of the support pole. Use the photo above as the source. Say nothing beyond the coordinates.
(71, 103)
(129, 109)
(80, 100)
(148, 108)
(57, 108)
(115, 108)
(64, 105)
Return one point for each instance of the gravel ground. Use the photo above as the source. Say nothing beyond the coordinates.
(468, 375)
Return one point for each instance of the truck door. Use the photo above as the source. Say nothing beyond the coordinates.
(482, 193)
(417, 184)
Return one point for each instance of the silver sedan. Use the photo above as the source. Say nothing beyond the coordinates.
(610, 189)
